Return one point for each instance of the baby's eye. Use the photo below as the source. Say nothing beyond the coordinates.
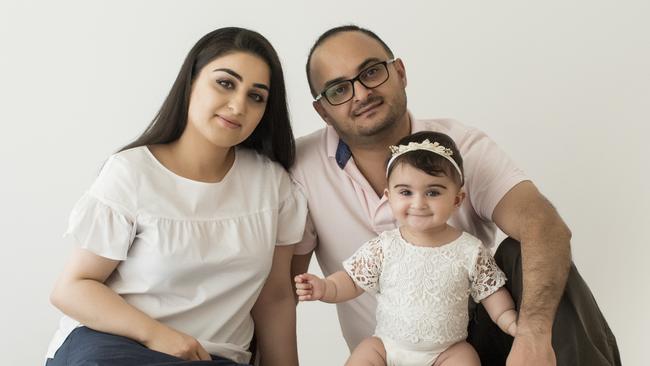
(405, 192)
(433, 193)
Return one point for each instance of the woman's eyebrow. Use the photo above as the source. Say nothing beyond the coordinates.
(239, 77)
(231, 72)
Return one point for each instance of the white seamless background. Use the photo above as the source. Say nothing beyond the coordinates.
(562, 86)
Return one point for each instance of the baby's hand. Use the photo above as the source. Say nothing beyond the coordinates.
(309, 287)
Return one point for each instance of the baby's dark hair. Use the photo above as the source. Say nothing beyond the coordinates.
(430, 162)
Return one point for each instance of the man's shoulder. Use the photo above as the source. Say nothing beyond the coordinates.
(452, 127)
(310, 147)
(466, 137)
(311, 141)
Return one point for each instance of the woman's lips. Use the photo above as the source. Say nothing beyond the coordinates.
(228, 122)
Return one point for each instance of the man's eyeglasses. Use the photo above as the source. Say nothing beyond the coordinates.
(370, 77)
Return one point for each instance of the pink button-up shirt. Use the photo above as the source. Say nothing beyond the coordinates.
(345, 211)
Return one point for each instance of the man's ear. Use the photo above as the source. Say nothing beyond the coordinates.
(401, 71)
(460, 197)
(318, 107)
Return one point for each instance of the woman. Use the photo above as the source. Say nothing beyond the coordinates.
(184, 238)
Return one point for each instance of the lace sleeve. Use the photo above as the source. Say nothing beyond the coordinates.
(486, 276)
(365, 265)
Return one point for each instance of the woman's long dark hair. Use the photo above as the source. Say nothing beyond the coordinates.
(272, 137)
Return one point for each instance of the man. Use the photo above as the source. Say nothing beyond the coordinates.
(359, 91)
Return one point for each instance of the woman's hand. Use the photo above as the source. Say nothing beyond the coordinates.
(310, 287)
(172, 342)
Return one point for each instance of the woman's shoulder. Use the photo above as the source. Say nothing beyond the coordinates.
(122, 164)
(260, 177)
(127, 165)
(259, 165)
(134, 155)
(257, 169)
(118, 180)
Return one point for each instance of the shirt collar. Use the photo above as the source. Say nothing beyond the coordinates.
(336, 148)
(340, 151)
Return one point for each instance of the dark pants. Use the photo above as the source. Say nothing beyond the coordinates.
(88, 347)
(581, 336)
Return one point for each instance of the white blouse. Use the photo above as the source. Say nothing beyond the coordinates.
(422, 292)
(194, 255)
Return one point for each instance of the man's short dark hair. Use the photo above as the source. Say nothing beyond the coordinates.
(336, 30)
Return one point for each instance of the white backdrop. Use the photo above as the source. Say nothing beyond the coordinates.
(563, 86)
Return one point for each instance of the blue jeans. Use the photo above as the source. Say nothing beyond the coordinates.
(88, 347)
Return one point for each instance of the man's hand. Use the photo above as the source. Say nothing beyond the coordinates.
(531, 350)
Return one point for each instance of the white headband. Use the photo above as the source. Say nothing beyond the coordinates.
(434, 147)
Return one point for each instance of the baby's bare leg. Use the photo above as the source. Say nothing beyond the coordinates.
(461, 354)
(370, 352)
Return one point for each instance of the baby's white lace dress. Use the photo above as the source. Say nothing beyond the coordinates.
(422, 292)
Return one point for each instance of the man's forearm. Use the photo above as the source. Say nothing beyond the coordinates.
(524, 214)
(546, 260)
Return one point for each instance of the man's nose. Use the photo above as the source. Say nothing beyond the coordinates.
(361, 92)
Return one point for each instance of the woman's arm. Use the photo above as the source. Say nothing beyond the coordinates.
(80, 293)
(274, 313)
(338, 287)
(501, 309)
(299, 265)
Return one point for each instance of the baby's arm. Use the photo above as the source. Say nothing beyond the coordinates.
(336, 288)
(502, 310)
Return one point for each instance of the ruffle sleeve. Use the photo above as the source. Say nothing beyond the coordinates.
(101, 229)
(486, 277)
(292, 214)
(103, 220)
(365, 265)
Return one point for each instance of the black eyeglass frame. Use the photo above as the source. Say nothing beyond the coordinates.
(322, 95)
